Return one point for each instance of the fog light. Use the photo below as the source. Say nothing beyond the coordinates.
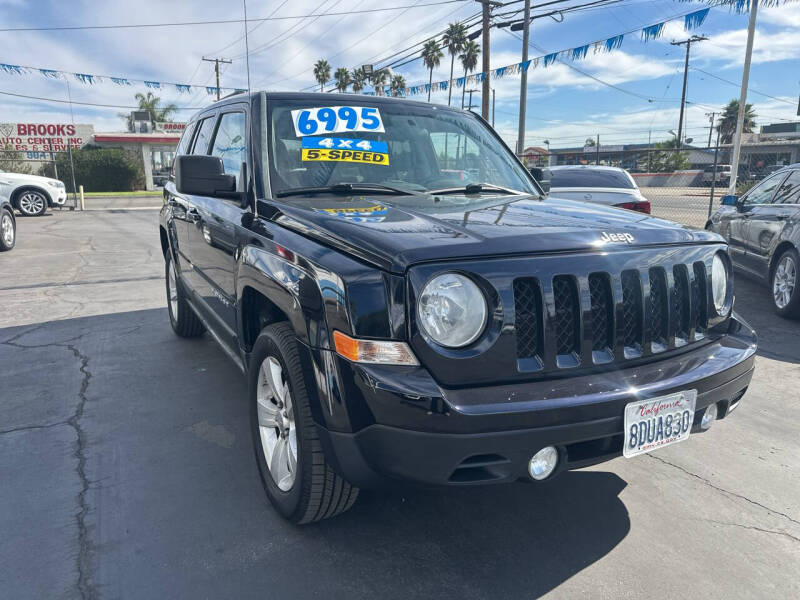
(708, 417)
(543, 463)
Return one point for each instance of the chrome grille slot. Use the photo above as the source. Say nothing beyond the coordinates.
(602, 328)
(681, 304)
(566, 323)
(659, 310)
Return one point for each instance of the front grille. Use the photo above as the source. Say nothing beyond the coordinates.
(627, 314)
(567, 320)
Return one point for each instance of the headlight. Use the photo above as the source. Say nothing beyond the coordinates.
(719, 285)
(452, 310)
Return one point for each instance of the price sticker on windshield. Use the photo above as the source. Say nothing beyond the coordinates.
(336, 119)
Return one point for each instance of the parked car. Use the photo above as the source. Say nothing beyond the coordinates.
(8, 226)
(720, 175)
(395, 328)
(611, 186)
(763, 232)
(31, 195)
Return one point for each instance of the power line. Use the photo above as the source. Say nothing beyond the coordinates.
(88, 103)
(226, 21)
(749, 89)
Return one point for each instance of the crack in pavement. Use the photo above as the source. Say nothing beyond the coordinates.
(724, 491)
(30, 427)
(84, 585)
(753, 528)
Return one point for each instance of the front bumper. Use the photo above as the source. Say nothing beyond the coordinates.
(420, 433)
(59, 196)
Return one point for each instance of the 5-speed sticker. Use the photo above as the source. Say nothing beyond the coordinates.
(336, 119)
(334, 155)
(329, 143)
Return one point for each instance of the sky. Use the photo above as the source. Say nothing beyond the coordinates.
(563, 105)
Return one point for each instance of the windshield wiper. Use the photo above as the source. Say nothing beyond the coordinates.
(344, 188)
(474, 188)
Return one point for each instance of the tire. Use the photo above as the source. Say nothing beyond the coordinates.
(8, 230)
(182, 317)
(31, 203)
(784, 284)
(312, 491)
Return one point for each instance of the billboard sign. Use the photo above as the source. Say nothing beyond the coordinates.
(168, 127)
(40, 140)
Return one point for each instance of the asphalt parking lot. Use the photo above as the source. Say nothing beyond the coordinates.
(126, 469)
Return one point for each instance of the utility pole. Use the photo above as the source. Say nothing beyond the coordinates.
(217, 62)
(523, 81)
(737, 138)
(486, 5)
(688, 43)
(470, 98)
(493, 91)
(710, 116)
(597, 154)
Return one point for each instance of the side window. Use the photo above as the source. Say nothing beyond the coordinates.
(203, 136)
(229, 142)
(183, 145)
(763, 192)
(789, 192)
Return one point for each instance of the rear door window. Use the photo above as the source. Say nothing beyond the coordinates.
(764, 191)
(789, 192)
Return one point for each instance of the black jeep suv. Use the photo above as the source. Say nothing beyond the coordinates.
(408, 306)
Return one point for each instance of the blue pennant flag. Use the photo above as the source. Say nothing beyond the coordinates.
(579, 53)
(210, 90)
(479, 77)
(120, 81)
(153, 84)
(550, 59)
(652, 32)
(49, 73)
(613, 43)
(461, 81)
(523, 66)
(442, 85)
(695, 19)
(183, 89)
(84, 78)
(12, 69)
(501, 72)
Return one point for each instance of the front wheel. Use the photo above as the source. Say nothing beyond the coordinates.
(785, 294)
(32, 203)
(8, 231)
(295, 474)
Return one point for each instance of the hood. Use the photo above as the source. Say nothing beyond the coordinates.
(15, 177)
(396, 232)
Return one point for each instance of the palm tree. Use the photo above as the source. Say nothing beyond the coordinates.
(152, 104)
(727, 124)
(432, 57)
(342, 77)
(379, 79)
(398, 85)
(359, 79)
(454, 38)
(322, 72)
(469, 60)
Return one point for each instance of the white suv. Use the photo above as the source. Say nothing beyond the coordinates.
(31, 194)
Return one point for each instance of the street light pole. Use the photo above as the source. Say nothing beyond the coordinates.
(737, 139)
(688, 43)
(523, 81)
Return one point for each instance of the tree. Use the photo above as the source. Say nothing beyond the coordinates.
(727, 124)
(359, 79)
(342, 77)
(454, 38)
(469, 60)
(666, 159)
(398, 85)
(379, 79)
(152, 104)
(590, 142)
(322, 72)
(12, 161)
(432, 57)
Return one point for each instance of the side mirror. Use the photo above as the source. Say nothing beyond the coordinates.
(200, 175)
(542, 177)
(730, 200)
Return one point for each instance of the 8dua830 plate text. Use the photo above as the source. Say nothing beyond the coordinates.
(658, 422)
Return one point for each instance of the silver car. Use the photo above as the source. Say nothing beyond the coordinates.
(611, 186)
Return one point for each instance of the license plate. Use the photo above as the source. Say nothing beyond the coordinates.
(658, 422)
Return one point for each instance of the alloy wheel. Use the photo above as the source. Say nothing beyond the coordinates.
(7, 230)
(784, 282)
(31, 203)
(276, 423)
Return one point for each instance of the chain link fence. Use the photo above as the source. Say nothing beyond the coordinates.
(684, 185)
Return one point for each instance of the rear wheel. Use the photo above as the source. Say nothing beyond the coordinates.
(32, 203)
(296, 477)
(785, 293)
(182, 317)
(8, 230)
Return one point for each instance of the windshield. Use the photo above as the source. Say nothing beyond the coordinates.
(322, 142)
(590, 178)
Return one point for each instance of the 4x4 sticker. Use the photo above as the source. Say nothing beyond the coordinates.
(329, 143)
(336, 119)
(345, 150)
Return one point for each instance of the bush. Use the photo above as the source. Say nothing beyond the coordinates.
(101, 169)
